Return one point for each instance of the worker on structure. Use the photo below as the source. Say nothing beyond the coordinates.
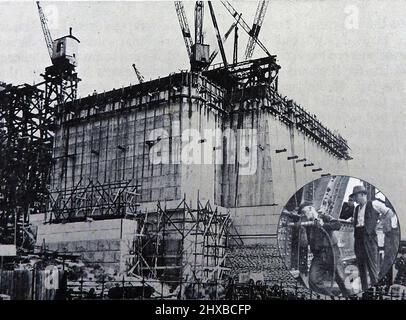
(317, 230)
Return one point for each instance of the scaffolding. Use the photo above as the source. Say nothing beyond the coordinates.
(245, 74)
(27, 124)
(294, 115)
(61, 85)
(93, 200)
(183, 247)
(25, 146)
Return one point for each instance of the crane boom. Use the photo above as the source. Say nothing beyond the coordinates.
(256, 27)
(243, 24)
(138, 74)
(219, 40)
(199, 14)
(235, 51)
(45, 30)
(225, 37)
(184, 26)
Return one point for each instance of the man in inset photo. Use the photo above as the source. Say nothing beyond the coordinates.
(391, 230)
(366, 217)
(326, 267)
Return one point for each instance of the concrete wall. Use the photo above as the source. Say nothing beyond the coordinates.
(139, 138)
(97, 154)
(106, 242)
(121, 140)
(260, 196)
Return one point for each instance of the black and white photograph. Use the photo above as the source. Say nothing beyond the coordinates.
(202, 150)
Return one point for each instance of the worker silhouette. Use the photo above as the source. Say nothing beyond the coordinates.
(347, 211)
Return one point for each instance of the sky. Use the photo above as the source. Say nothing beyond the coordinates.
(342, 60)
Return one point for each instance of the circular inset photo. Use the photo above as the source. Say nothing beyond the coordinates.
(338, 235)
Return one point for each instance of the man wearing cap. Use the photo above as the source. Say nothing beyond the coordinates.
(366, 216)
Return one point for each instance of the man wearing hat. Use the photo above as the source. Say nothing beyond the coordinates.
(366, 216)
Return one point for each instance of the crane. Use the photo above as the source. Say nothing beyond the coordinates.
(219, 40)
(199, 14)
(256, 27)
(243, 24)
(198, 52)
(138, 74)
(235, 51)
(187, 37)
(62, 51)
(45, 30)
(224, 39)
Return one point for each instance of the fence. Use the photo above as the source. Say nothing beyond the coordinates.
(141, 289)
(31, 285)
(154, 289)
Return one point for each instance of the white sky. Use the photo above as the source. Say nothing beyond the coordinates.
(353, 79)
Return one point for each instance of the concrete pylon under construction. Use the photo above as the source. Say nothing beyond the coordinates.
(223, 136)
